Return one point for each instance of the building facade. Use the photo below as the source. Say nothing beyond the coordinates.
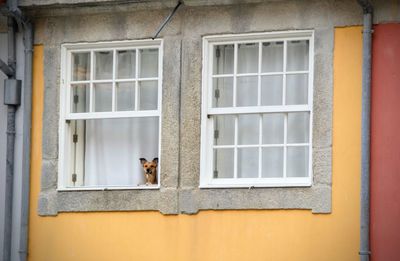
(250, 109)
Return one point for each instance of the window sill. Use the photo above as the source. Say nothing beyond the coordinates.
(141, 187)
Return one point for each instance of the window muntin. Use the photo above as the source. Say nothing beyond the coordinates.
(110, 114)
(257, 110)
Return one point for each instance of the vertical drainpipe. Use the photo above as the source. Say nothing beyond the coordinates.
(15, 15)
(11, 109)
(26, 140)
(365, 131)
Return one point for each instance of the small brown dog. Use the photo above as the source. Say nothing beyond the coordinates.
(150, 170)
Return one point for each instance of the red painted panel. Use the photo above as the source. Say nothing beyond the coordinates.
(385, 144)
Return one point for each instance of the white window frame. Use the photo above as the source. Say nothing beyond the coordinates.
(206, 160)
(65, 102)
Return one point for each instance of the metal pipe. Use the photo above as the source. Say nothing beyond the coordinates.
(365, 131)
(26, 140)
(10, 151)
(7, 70)
(167, 20)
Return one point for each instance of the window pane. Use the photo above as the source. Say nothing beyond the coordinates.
(247, 90)
(104, 65)
(248, 129)
(273, 125)
(125, 96)
(298, 127)
(272, 57)
(148, 63)
(80, 95)
(81, 66)
(223, 163)
(224, 126)
(112, 149)
(271, 90)
(272, 162)
(222, 92)
(297, 89)
(247, 58)
(223, 59)
(102, 97)
(297, 162)
(247, 163)
(126, 64)
(148, 95)
(297, 55)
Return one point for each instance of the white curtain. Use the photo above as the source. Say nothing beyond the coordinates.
(272, 124)
(113, 146)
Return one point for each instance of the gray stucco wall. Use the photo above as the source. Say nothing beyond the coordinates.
(180, 157)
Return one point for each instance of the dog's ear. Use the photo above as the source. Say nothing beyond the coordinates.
(155, 160)
(142, 160)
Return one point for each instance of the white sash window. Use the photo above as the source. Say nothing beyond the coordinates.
(257, 110)
(110, 113)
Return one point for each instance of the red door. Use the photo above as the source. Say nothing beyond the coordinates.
(385, 144)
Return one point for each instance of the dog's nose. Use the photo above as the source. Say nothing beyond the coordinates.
(148, 171)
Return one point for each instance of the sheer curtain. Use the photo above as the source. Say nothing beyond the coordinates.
(113, 146)
(272, 124)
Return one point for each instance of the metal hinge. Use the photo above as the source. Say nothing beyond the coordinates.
(216, 93)
(216, 134)
(74, 178)
(75, 138)
(76, 99)
(215, 174)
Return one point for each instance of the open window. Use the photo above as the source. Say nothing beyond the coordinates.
(110, 114)
(257, 110)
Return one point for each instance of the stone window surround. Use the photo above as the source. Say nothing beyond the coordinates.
(179, 191)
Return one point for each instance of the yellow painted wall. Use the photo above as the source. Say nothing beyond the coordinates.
(218, 235)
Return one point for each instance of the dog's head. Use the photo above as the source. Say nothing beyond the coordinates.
(149, 166)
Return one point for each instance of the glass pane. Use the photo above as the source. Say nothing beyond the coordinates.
(272, 162)
(247, 58)
(126, 64)
(272, 57)
(297, 162)
(223, 163)
(247, 163)
(224, 126)
(297, 89)
(247, 90)
(148, 95)
(125, 96)
(81, 66)
(298, 127)
(273, 128)
(148, 63)
(104, 65)
(222, 92)
(113, 148)
(271, 90)
(223, 59)
(102, 97)
(80, 97)
(248, 129)
(297, 55)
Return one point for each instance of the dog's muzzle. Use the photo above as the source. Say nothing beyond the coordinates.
(148, 171)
